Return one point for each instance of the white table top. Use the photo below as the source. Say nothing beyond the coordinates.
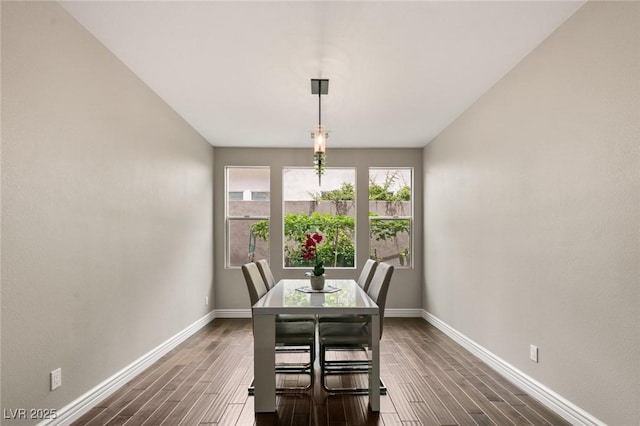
(283, 298)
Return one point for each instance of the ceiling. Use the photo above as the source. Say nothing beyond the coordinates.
(399, 72)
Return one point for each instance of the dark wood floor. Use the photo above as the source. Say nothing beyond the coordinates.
(431, 380)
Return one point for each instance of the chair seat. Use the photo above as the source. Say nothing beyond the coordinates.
(343, 318)
(295, 333)
(341, 333)
(294, 317)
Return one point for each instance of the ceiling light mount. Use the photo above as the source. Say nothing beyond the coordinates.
(319, 87)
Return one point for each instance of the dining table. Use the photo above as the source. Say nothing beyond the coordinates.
(295, 296)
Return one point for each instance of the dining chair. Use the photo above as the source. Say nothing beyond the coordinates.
(366, 275)
(267, 275)
(364, 280)
(290, 335)
(353, 335)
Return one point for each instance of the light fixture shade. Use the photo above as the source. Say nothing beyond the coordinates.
(320, 140)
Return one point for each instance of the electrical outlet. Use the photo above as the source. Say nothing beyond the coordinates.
(56, 378)
(533, 353)
(206, 300)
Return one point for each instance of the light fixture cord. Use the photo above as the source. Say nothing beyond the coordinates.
(320, 106)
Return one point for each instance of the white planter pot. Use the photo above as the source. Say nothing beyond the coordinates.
(317, 282)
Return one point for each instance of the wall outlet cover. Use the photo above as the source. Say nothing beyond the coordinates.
(533, 353)
(56, 378)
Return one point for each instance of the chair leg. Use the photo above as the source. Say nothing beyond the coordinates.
(323, 374)
(353, 391)
(322, 356)
(343, 367)
(304, 369)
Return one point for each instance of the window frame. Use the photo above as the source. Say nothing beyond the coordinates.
(355, 218)
(230, 218)
(394, 217)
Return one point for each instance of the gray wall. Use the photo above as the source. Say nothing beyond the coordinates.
(532, 214)
(106, 211)
(231, 291)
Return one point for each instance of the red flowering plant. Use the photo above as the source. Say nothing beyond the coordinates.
(309, 252)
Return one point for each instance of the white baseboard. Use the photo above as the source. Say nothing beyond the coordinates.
(566, 409)
(561, 406)
(73, 411)
(233, 313)
(402, 313)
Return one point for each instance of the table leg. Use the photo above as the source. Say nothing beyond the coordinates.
(264, 363)
(374, 373)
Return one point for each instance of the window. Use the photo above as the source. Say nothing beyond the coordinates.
(235, 195)
(328, 209)
(247, 219)
(391, 215)
(259, 196)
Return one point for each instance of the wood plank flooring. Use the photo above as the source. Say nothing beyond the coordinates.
(431, 380)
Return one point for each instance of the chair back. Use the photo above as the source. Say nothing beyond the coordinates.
(267, 275)
(379, 287)
(364, 280)
(255, 285)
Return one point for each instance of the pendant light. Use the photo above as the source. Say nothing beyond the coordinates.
(319, 87)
